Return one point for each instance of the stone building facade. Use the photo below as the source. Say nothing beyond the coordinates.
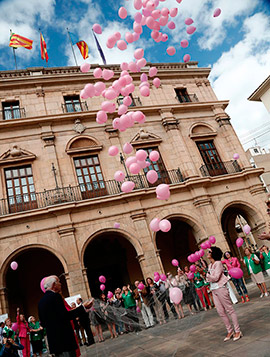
(59, 200)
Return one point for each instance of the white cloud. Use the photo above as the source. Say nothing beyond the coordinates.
(240, 71)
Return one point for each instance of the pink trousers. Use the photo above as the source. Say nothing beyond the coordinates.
(225, 308)
(25, 341)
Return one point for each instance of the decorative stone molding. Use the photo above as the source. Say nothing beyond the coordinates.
(257, 189)
(66, 231)
(82, 143)
(48, 139)
(144, 138)
(112, 133)
(138, 216)
(15, 155)
(40, 93)
(202, 201)
(140, 258)
(170, 124)
(78, 126)
(223, 119)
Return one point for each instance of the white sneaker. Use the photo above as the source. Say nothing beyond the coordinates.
(266, 294)
(262, 295)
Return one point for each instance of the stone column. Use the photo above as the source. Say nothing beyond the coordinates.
(3, 301)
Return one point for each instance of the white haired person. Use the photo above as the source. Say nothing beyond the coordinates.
(56, 319)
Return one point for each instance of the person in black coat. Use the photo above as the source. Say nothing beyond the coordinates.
(56, 319)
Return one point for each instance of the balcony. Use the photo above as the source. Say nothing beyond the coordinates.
(81, 192)
(136, 102)
(74, 107)
(14, 113)
(221, 168)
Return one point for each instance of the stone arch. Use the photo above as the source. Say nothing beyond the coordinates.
(201, 128)
(82, 143)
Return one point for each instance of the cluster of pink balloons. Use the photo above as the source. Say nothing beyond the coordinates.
(160, 225)
(102, 280)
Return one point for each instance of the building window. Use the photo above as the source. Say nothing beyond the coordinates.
(89, 176)
(158, 166)
(182, 95)
(20, 188)
(211, 158)
(11, 110)
(73, 104)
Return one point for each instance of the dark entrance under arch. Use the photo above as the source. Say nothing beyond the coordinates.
(23, 284)
(178, 243)
(112, 255)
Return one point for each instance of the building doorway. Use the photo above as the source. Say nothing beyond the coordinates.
(23, 285)
(178, 243)
(112, 255)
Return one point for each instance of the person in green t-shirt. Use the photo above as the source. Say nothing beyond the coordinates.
(36, 336)
(130, 306)
(8, 329)
(265, 257)
(200, 287)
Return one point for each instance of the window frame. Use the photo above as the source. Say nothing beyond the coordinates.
(11, 107)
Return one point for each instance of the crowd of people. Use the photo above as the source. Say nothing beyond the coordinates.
(145, 305)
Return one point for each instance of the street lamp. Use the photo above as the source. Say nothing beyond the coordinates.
(122, 161)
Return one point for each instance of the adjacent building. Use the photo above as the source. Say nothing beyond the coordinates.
(262, 94)
(59, 201)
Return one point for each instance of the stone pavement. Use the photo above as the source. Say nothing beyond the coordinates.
(200, 335)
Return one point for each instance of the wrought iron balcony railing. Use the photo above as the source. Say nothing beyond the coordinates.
(14, 113)
(220, 168)
(74, 107)
(189, 98)
(81, 192)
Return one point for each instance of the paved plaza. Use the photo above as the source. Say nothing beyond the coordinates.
(200, 335)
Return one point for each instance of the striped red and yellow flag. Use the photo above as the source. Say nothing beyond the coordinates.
(83, 48)
(20, 41)
(43, 48)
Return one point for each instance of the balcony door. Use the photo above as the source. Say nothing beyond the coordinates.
(159, 167)
(20, 189)
(211, 158)
(90, 177)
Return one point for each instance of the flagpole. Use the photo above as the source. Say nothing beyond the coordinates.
(72, 48)
(14, 52)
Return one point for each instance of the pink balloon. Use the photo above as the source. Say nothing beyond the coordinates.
(217, 12)
(137, 29)
(163, 191)
(108, 107)
(207, 244)
(83, 95)
(107, 74)
(113, 150)
(15, 326)
(201, 251)
(116, 123)
(156, 278)
(246, 229)
(154, 156)
(138, 54)
(138, 116)
(124, 66)
(176, 295)
(141, 286)
(175, 263)
(197, 254)
(190, 276)
(141, 62)
(163, 20)
(134, 168)
(141, 155)
(138, 17)
(137, 4)
(122, 12)
(164, 37)
(130, 160)
(116, 225)
(42, 284)
(97, 72)
(156, 14)
(163, 277)
(127, 148)
(239, 242)
(138, 309)
(122, 45)
(212, 239)
(111, 94)
(14, 265)
(154, 34)
(236, 156)
(171, 51)
(85, 67)
(117, 35)
(150, 22)
(100, 86)
(186, 58)
(179, 1)
(192, 268)
(102, 287)
(152, 176)
(236, 273)
(191, 29)
(122, 109)
(127, 186)
(101, 117)
(154, 225)
(129, 37)
(173, 11)
(97, 29)
(119, 176)
(193, 258)
(109, 295)
(153, 71)
(156, 82)
(165, 225)
(145, 91)
(184, 43)
(188, 21)
(102, 279)
(171, 25)
(136, 36)
(165, 11)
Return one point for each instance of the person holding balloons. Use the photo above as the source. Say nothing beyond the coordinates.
(233, 262)
(215, 276)
(201, 288)
(252, 262)
(173, 283)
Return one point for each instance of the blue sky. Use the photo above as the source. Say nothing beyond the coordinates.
(236, 44)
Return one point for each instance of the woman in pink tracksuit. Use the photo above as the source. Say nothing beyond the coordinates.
(24, 333)
(218, 281)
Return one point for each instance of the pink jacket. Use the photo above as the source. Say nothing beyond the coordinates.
(23, 328)
(231, 263)
(215, 274)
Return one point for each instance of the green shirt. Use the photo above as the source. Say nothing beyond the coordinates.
(9, 332)
(198, 280)
(266, 260)
(128, 300)
(35, 335)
